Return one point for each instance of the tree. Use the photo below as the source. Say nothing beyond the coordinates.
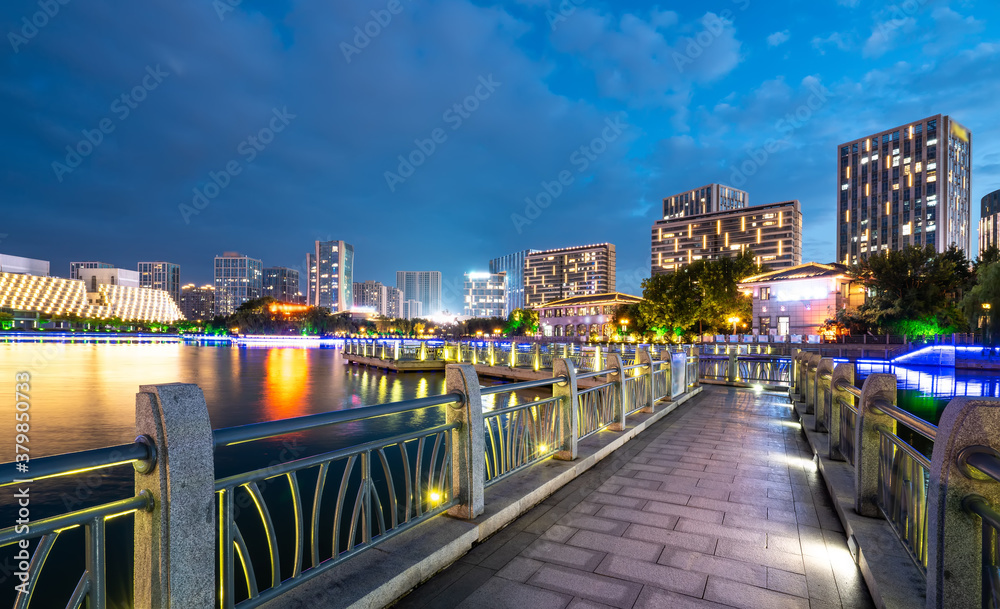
(522, 322)
(982, 302)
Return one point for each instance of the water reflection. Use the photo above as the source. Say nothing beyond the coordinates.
(926, 390)
(286, 377)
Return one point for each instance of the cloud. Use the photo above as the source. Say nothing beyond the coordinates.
(843, 41)
(778, 38)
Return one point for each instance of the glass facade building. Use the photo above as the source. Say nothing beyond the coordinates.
(909, 185)
(485, 294)
(572, 271)
(331, 275)
(197, 303)
(422, 286)
(164, 276)
(238, 278)
(773, 232)
(704, 200)
(384, 299)
(989, 222)
(282, 284)
(512, 265)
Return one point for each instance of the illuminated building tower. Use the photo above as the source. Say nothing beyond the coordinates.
(773, 232)
(422, 286)
(989, 222)
(512, 265)
(164, 276)
(572, 271)
(704, 200)
(485, 294)
(282, 284)
(198, 304)
(909, 185)
(238, 278)
(331, 275)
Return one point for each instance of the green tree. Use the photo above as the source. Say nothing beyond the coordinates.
(522, 322)
(982, 302)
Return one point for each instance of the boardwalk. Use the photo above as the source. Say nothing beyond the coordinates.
(717, 505)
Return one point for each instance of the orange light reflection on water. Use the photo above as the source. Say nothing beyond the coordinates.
(286, 383)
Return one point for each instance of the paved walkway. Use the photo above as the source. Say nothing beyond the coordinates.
(717, 505)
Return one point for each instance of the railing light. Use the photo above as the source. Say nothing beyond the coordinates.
(543, 448)
(435, 497)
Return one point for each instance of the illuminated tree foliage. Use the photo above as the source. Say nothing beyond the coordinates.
(981, 304)
(522, 322)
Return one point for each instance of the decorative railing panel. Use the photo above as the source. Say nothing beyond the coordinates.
(518, 436)
(848, 420)
(661, 384)
(902, 483)
(597, 408)
(636, 390)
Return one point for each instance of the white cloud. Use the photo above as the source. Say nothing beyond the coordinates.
(778, 38)
(842, 40)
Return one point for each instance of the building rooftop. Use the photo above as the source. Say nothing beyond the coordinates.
(610, 297)
(809, 270)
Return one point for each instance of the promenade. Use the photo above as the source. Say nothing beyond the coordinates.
(717, 505)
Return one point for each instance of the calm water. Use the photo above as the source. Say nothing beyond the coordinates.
(83, 396)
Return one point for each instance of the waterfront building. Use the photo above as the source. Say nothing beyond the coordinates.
(74, 267)
(238, 278)
(93, 277)
(331, 275)
(583, 270)
(579, 317)
(512, 265)
(197, 304)
(412, 309)
(384, 299)
(705, 200)
(798, 300)
(485, 294)
(989, 222)
(23, 266)
(422, 286)
(164, 276)
(393, 302)
(909, 185)
(773, 232)
(282, 284)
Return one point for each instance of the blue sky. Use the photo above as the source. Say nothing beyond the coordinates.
(199, 126)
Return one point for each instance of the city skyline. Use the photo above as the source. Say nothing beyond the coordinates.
(752, 96)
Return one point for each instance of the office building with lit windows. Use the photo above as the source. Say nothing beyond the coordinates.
(773, 232)
(485, 294)
(909, 185)
(238, 278)
(164, 276)
(704, 200)
(584, 270)
(331, 276)
(74, 267)
(282, 284)
(512, 265)
(197, 304)
(989, 222)
(384, 299)
(412, 309)
(422, 286)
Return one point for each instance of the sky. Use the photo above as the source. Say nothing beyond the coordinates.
(436, 135)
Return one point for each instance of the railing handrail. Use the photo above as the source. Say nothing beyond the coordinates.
(986, 462)
(504, 388)
(267, 429)
(142, 501)
(508, 409)
(844, 385)
(589, 375)
(922, 427)
(77, 462)
(977, 505)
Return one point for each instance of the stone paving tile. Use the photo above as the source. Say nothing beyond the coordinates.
(507, 551)
(709, 564)
(789, 583)
(629, 502)
(469, 583)
(757, 538)
(820, 580)
(687, 486)
(621, 481)
(587, 507)
(684, 512)
(750, 597)
(594, 523)
(433, 587)
(729, 507)
(758, 524)
(633, 548)
(753, 553)
(499, 593)
(561, 554)
(662, 576)
(608, 590)
(582, 603)
(680, 539)
(657, 598)
(663, 521)
(558, 533)
(519, 569)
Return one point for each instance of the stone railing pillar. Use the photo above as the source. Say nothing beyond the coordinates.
(569, 407)
(395, 350)
(512, 359)
(175, 541)
(867, 440)
(423, 350)
(618, 378)
(843, 372)
(468, 462)
(731, 371)
(822, 393)
(954, 537)
(812, 363)
(642, 356)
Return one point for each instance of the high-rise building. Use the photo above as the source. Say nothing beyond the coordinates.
(909, 185)
(412, 309)
(705, 200)
(331, 275)
(989, 222)
(393, 302)
(282, 284)
(485, 294)
(571, 271)
(198, 304)
(375, 295)
(164, 276)
(773, 232)
(422, 286)
(74, 267)
(238, 278)
(512, 265)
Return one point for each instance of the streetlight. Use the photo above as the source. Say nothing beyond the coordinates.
(734, 320)
(624, 324)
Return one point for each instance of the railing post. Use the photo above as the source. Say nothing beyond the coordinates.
(492, 354)
(618, 378)
(695, 352)
(954, 537)
(468, 459)
(570, 412)
(513, 354)
(642, 356)
(598, 360)
(731, 372)
(810, 384)
(536, 357)
(175, 542)
(423, 350)
(843, 372)
(867, 441)
(822, 393)
(395, 350)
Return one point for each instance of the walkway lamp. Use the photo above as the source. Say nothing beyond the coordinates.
(734, 320)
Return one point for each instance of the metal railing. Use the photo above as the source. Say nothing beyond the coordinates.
(735, 366)
(279, 526)
(893, 477)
